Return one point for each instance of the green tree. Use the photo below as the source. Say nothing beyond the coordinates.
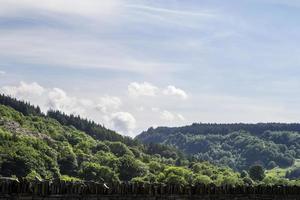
(119, 149)
(93, 171)
(202, 179)
(130, 168)
(68, 160)
(257, 172)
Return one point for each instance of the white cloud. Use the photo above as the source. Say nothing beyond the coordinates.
(108, 103)
(142, 89)
(180, 117)
(123, 122)
(59, 100)
(173, 91)
(106, 110)
(171, 117)
(23, 90)
(136, 89)
(2, 73)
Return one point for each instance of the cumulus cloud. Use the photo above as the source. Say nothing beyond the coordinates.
(108, 103)
(59, 100)
(168, 116)
(142, 89)
(23, 90)
(136, 89)
(123, 122)
(106, 110)
(173, 91)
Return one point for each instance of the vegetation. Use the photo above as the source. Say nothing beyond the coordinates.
(238, 146)
(36, 145)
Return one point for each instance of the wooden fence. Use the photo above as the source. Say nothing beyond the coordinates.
(19, 188)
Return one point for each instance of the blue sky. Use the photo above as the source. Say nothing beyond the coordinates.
(132, 64)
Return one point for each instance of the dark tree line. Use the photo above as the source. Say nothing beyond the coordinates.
(161, 133)
(93, 129)
(22, 106)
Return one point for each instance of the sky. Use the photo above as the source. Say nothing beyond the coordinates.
(135, 64)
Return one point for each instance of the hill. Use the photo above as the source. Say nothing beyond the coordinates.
(34, 144)
(238, 146)
(59, 146)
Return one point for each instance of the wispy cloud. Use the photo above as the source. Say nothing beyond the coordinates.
(72, 7)
(172, 11)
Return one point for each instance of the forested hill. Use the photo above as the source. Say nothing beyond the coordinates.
(236, 145)
(93, 129)
(55, 145)
(160, 133)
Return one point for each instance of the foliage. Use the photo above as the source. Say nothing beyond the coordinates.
(257, 172)
(95, 172)
(235, 145)
(93, 129)
(130, 168)
(70, 148)
(23, 107)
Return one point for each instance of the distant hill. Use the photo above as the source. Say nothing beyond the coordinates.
(235, 145)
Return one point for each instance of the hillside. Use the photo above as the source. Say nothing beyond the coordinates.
(238, 146)
(59, 146)
(36, 145)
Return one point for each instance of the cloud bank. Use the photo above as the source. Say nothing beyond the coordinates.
(117, 113)
(106, 109)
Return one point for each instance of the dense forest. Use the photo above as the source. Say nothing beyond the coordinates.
(237, 146)
(54, 145)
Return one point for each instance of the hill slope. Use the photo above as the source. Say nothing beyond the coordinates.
(36, 145)
(235, 145)
(33, 144)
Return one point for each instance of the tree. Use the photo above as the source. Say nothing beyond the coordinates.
(257, 172)
(244, 174)
(119, 149)
(68, 161)
(202, 179)
(130, 168)
(93, 171)
(180, 174)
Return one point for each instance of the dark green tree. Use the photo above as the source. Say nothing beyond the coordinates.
(130, 168)
(257, 172)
